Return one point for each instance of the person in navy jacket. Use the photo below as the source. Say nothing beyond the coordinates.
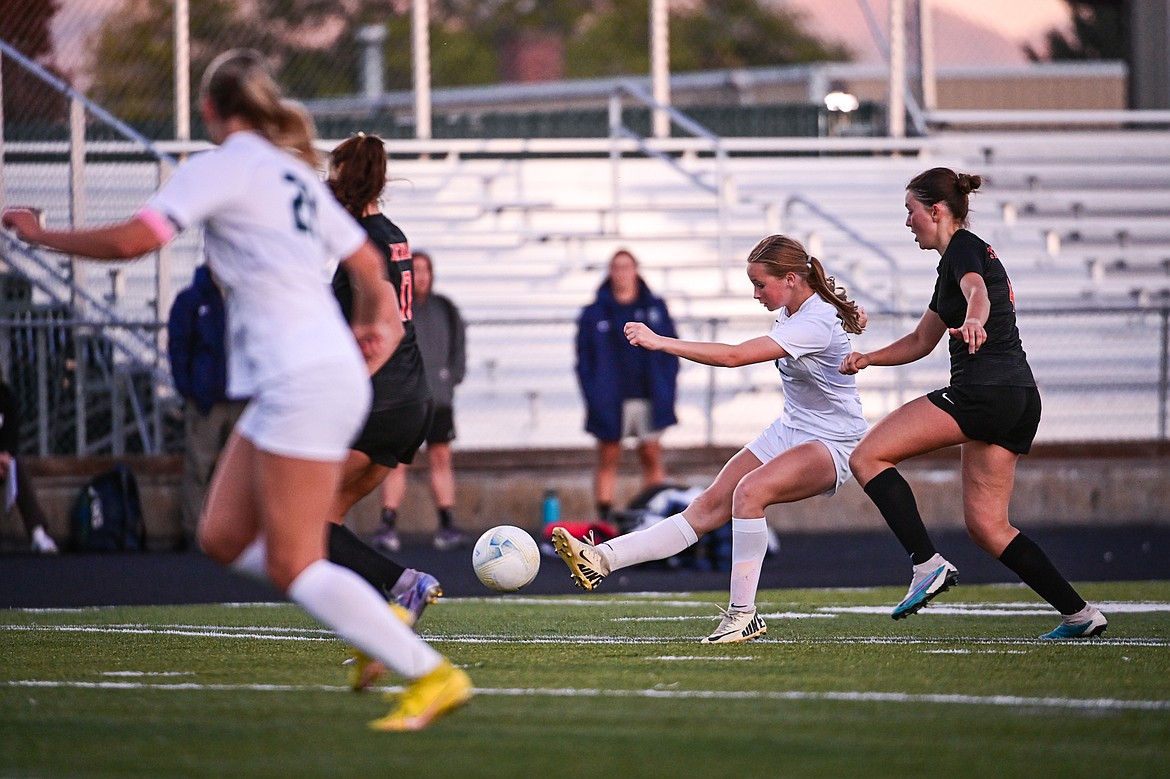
(628, 392)
(196, 346)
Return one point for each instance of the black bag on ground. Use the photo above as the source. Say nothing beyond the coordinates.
(654, 504)
(107, 516)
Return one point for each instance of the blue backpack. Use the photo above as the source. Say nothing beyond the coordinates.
(107, 515)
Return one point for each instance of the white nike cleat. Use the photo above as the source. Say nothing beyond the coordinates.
(737, 626)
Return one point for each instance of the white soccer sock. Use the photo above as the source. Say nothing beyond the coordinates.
(657, 542)
(253, 561)
(345, 602)
(749, 544)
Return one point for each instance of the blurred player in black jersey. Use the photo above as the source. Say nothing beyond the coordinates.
(991, 409)
(442, 339)
(401, 409)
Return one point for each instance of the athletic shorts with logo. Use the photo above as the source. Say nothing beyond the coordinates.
(1004, 416)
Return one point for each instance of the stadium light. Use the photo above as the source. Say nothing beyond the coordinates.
(840, 100)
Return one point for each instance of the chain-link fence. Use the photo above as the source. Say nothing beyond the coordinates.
(353, 62)
(81, 342)
(1102, 373)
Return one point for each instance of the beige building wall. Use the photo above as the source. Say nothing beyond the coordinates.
(1050, 86)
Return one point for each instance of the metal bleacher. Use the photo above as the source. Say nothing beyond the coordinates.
(540, 231)
(521, 230)
(530, 241)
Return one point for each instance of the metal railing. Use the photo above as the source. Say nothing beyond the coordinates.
(894, 303)
(1109, 383)
(101, 378)
(720, 188)
(78, 395)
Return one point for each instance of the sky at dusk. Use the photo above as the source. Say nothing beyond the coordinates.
(967, 32)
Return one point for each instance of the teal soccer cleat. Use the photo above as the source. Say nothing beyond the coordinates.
(1086, 623)
(931, 579)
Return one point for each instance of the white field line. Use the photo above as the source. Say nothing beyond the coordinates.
(1010, 701)
(311, 634)
(193, 632)
(693, 617)
(592, 602)
(696, 658)
(936, 609)
(1023, 609)
(1032, 608)
(837, 641)
(97, 609)
(1003, 609)
(974, 652)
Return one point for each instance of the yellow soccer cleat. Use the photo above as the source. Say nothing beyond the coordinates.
(365, 670)
(441, 691)
(586, 565)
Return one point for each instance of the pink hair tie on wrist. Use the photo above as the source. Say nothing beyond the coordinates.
(162, 228)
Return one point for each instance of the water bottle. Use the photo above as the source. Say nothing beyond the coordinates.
(552, 507)
(550, 515)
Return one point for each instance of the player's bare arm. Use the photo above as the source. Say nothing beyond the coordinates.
(972, 331)
(911, 347)
(122, 241)
(377, 321)
(720, 355)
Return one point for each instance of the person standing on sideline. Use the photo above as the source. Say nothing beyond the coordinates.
(12, 468)
(628, 392)
(805, 452)
(270, 227)
(991, 409)
(442, 337)
(196, 346)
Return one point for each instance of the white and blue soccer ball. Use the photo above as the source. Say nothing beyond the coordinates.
(505, 558)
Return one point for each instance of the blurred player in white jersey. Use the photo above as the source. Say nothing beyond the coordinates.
(270, 226)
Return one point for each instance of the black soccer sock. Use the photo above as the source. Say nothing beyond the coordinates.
(347, 550)
(1028, 561)
(604, 511)
(389, 516)
(446, 518)
(895, 500)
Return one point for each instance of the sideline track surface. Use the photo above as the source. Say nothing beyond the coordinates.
(805, 560)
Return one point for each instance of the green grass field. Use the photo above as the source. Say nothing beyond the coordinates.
(603, 686)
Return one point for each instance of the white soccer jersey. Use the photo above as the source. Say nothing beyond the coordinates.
(271, 226)
(818, 398)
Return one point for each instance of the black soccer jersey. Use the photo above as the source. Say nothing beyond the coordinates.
(1001, 360)
(401, 380)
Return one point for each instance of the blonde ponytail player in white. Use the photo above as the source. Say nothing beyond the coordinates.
(805, 452)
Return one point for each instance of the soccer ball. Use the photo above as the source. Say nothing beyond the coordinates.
(505, 558)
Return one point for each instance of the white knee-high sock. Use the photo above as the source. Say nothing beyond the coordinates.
(749, 544)
(345, 602)
(253, 561)
(657, 542)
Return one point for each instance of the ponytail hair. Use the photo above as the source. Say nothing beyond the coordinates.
(357, 172)
(782, 255)
(943, 185)
(239, 84)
